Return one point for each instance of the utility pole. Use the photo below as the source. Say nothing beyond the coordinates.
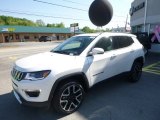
(74, 29)
(145, 14)
(73, 26)
(126, 23)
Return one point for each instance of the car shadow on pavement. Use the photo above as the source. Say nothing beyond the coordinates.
(114, 99)
(152, 57)
(93, 106)
(118, 99)
(10, 109)
(102, 99)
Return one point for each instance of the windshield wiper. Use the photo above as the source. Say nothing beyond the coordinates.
(61, 52)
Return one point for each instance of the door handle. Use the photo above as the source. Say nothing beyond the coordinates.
(131, 51)
(113, 56)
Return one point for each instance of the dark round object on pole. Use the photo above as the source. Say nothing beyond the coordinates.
(100, 12)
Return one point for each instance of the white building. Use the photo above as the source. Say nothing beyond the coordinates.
(145, 17)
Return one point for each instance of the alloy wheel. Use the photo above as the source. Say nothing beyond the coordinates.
(71, 97)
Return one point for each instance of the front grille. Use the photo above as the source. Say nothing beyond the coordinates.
(18, 75)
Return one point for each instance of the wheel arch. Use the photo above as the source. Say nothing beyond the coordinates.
(140, 60)
(137, 61)
(80, 77)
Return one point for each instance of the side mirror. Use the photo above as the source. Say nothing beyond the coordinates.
(96, 51)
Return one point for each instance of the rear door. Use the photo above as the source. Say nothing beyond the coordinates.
(124, 54)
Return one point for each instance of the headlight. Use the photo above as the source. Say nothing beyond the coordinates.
(39, 75)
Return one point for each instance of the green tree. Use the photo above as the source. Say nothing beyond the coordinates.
(51, 25)
(86, 29)
(40, 23)
(2, 22)
(58, 25)
(108, 30)
(8, 20)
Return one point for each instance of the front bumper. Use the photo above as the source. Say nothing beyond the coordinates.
(21, 100)
(22, 88)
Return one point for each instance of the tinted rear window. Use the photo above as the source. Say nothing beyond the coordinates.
(123, 41)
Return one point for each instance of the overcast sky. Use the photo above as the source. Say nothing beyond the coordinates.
(47, 12)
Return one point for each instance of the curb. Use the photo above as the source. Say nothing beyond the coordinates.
(21, 44)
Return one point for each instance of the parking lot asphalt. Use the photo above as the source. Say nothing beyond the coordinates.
(152, 63)
(115, 99)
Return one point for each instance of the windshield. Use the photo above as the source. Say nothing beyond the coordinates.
(74, 45)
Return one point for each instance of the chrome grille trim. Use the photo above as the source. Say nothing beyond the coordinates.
(17, 75)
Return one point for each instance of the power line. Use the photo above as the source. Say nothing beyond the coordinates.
(39, 15)
(69, 6)
(60, 5)
(75, 2)
(35, 12)
(49, 16)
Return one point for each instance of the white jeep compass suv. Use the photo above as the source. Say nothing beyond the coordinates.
(62, 76)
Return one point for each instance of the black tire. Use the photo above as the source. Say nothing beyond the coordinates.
(146, 51)
(68, 97)
(136, 72)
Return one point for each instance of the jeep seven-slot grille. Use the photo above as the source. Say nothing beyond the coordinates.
(18, 75)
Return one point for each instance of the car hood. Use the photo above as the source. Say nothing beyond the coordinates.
(45, 61)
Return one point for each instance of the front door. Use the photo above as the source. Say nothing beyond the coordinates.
(101, 63)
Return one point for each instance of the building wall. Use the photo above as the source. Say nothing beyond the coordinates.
(153, 11)
(27, 37)
(138, 16)
(153, 14)
(1, 38)
(152, 22)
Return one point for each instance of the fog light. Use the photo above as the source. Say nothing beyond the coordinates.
(33, 93)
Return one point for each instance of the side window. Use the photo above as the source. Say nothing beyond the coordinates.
(123, 41)
(105, 44)
(114, 42)
(130, 41)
